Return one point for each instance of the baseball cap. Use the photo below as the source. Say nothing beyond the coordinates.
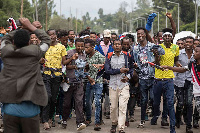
(107, 33)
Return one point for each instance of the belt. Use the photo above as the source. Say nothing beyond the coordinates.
(164, 79)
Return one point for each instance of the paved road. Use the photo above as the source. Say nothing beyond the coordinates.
(71, 128)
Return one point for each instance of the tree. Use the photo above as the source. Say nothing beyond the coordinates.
(100, 12)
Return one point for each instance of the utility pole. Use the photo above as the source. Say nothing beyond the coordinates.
(76, 20)
(36, 11)
(60, 8)
(22, 6)
(46, 14)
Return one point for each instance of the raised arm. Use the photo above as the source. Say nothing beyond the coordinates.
(173, 25)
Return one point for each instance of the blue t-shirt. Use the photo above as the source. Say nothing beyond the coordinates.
(25, 109)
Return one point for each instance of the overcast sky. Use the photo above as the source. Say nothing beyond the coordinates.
(91, 6)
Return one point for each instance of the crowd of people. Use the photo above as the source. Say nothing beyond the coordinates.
(44, 74)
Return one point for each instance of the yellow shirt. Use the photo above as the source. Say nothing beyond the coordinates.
(168, 60)
(54, 58)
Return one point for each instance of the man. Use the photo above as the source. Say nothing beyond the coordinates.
(105, 47)
(93, 36)
(113, 37)
(164, 79)
(22, 89)
(94, 86)
(143, 54)
(180, 42)
(70, 44)
(119, 66)
(54, 58)
(76, 87)
(196, 43)
(194, 67)
(184, 87)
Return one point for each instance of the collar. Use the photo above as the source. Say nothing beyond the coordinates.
(121, 53)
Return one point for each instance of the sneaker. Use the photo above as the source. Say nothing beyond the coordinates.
(64, 124)
(164, 122)
(81, 126)
(46, 126)
(113, 129)
(87, 123)
(189, 130)
(195, 124)
(141, 125)
(97, 127)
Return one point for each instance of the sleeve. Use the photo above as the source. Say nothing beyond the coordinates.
(177, 51)
(44, 38)
(109, 70)
(64, 52)
(7, 39)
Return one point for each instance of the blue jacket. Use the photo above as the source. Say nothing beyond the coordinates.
(99, 48)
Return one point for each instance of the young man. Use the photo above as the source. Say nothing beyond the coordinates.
(22, 87)
(104, 48)
(94, 86)
(183, 86)
(119, 66)
(196, 43)
(164, 79)
(70, 44)
(93, 36)
(142, 54)
(55, 57)
(76, 87)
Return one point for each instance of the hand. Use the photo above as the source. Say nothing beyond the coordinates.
(42, 60)
(26, 24)
(155, 52)
(125, 79)
(92, 81)
(165, 67)
(98, 65)
(75, 56)
(135, 65)
(124, 70)
(37, 24)
(178, 64)
(169, 15)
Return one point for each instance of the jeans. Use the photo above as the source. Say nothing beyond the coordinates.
(165, 107)
(165, 87)
(95, 89)
(146, 88)
(185, 98)
(52, 86)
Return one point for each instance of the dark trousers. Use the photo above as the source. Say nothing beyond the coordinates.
(75, 90)
(165, 87)
(13, 124)
(185, 98)
(52, 86)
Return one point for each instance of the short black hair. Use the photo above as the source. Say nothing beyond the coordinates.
(90, 41)
(79, 40)
(167, 30)
(131, 37)
(180, 39)
(21, 38)
(196, 40)
(93, 33)
(50, 30)
(117, 40)
(189, 37)
(69, 31)
(126, 37)
(141, 28)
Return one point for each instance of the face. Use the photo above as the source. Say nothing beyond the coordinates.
(197, 53)
(117, 46)
(188, 44)
(88, 48)
(106, 40)
(113, 37)
(79, 47)
(126, 45)
(63, 40)
(167, 38)
(180, 43)
(196, 43)
(52, 34)
(34, 40)
(160, 38)
(71, 35)
(141, 35)
(93, 37)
